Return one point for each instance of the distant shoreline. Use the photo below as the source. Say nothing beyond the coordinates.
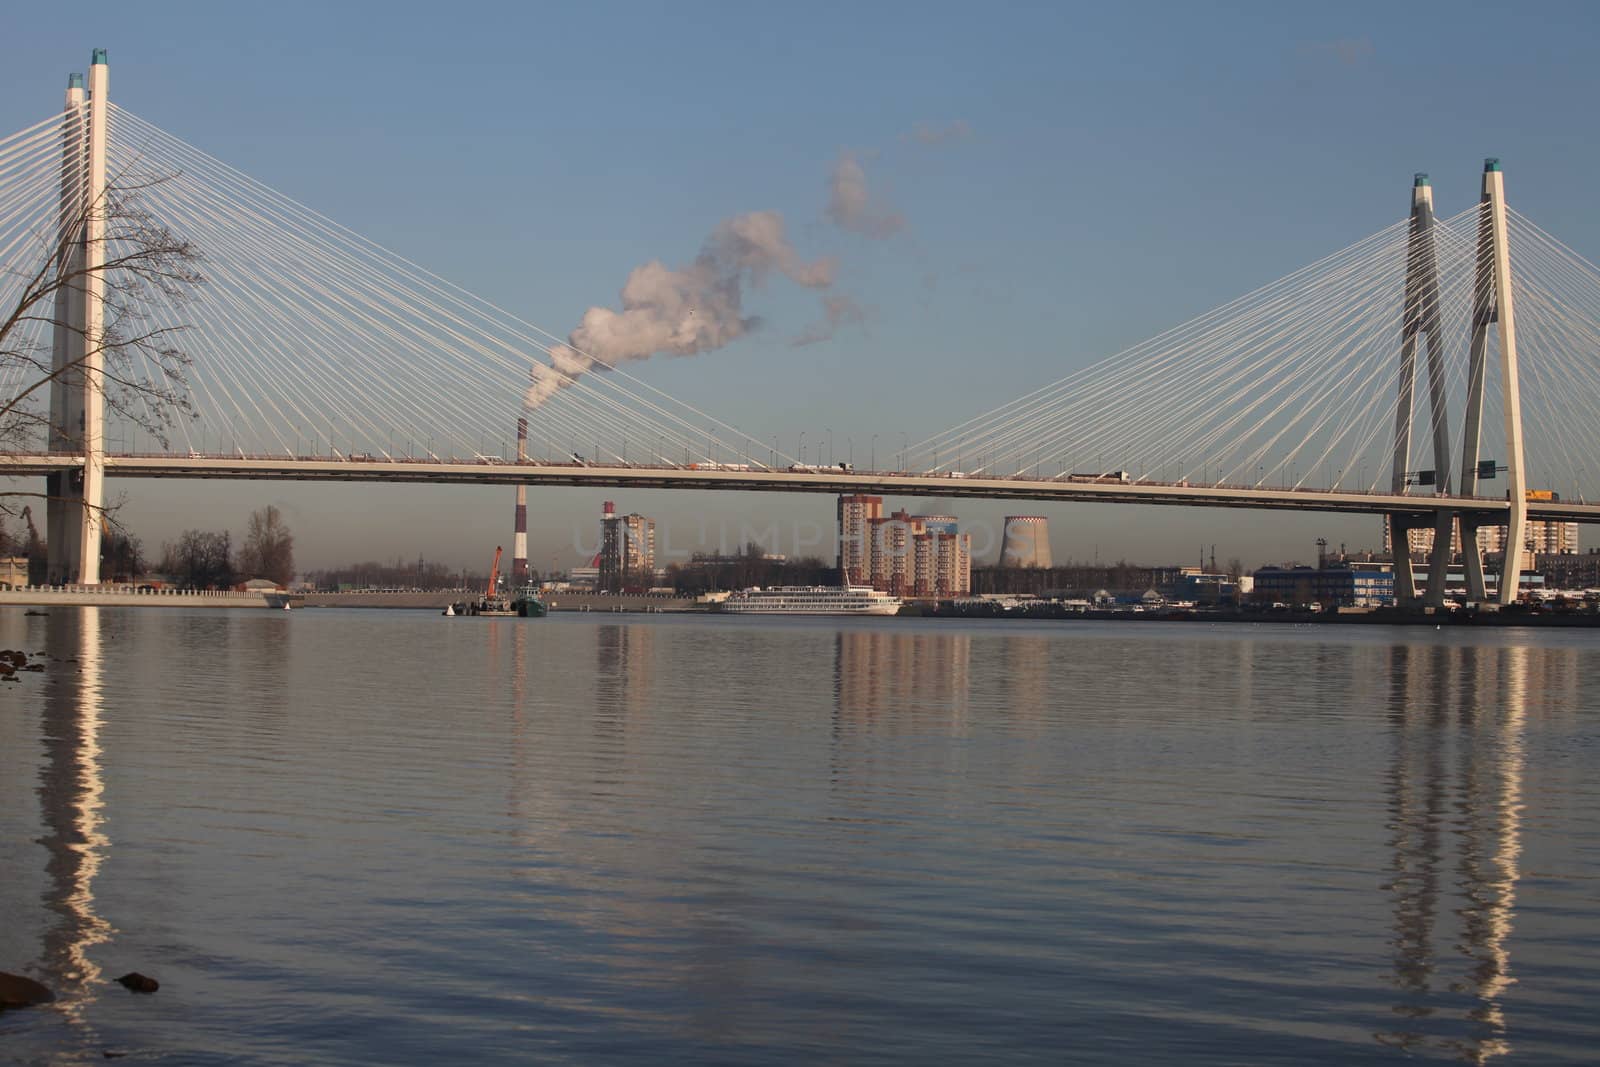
(149, 598)
(1515, 616)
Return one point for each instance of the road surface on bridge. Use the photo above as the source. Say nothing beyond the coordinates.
(753, 478)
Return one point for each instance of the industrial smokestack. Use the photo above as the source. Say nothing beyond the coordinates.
(519, 542)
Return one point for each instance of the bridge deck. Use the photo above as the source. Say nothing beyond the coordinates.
(887, 483)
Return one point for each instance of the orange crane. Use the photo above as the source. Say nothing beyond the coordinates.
(494, 573)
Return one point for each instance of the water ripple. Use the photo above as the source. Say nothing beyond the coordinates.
(345, 837)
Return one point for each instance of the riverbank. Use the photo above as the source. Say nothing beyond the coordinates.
(131, 596)
(1514, 615)
(136, 597)
(437, 600)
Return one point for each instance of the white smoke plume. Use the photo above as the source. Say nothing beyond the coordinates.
(852, 208)
(681, 311)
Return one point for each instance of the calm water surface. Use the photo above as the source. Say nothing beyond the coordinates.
(381, 837)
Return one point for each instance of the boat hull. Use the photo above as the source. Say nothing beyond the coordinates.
(811, 600)
(888, 609)
(493, 606)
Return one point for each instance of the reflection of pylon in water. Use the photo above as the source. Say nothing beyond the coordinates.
(1477, 834)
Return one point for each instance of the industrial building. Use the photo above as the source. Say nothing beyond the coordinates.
(1026, 542)
(1570, 570)
(1198, 586)
(627, 562)
(1345, 584)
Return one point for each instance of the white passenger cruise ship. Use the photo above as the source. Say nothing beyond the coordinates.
(811, 600)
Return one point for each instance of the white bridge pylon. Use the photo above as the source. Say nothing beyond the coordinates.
(75, 504)
(1492, 303)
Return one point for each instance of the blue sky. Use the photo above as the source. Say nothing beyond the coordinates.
(1120, 169)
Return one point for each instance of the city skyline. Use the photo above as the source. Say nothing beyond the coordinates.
(947, 283)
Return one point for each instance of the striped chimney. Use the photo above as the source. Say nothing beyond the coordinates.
(519, 542)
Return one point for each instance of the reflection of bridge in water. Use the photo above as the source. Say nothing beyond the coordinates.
(1458, 716)
(71, 794)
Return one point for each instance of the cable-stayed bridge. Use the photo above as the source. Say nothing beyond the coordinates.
(1407, 375)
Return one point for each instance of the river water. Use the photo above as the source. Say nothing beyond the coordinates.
(384, 837)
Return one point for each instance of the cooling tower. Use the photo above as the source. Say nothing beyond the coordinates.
(1026, 542)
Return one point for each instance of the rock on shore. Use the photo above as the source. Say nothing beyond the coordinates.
(19, 992)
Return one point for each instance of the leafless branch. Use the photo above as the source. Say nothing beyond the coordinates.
(147, 271)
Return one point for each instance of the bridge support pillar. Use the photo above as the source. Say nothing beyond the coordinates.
(1472, 560)
(76, 504)
(1439, 560)
(1493, 303)
(1400, 526)
(1400, 553)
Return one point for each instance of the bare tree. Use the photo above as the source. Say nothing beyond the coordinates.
(200, 559)
(123, 554)
(145, 269)
(268, 550)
